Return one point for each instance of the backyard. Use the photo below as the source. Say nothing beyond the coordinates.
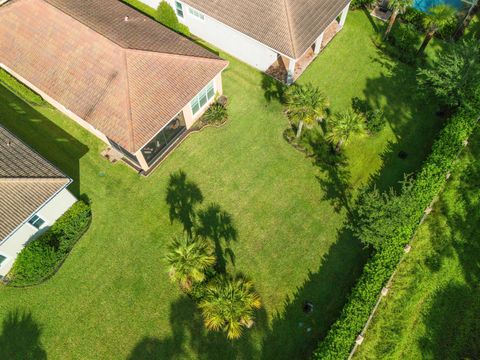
(437, 286)
(113, 298)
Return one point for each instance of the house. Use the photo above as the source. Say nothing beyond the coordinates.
(279, 37)
(33, 195)
(132, 82)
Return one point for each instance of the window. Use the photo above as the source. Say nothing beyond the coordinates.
(36, 221)
(179, 9)
(196, 13)
(202, 98)
(2, 259)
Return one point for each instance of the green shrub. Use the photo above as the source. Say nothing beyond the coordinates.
(375, 121)
(414, 17)
(216, 114)
(20, 89)
(41, 257)
(428, 183)
(166, 15)
(405, 38)
(356, 4)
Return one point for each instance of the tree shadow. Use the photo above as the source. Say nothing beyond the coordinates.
(294, 333)
(20, 337)
(273, 89)
(41, 134)
(189, 333)
(182, 197)
(217, 225)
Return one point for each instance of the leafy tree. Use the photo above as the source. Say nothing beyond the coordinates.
(454, 77)
(166, 15)
(229, 305)
(437, 18)
(306, 104)
(342, 126)
(398, 7)
(189, 260)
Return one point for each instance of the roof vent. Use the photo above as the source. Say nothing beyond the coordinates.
(127, 18)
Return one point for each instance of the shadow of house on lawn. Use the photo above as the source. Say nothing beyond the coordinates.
(189, 334)
(42, 135)
(20, 337)
(217, 225)
(182, 197)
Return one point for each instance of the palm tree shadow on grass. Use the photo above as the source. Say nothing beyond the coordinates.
(217, 225)
(188, 331)
(20, 337)
(182, 197)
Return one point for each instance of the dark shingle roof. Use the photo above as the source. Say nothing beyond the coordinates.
(27, 181)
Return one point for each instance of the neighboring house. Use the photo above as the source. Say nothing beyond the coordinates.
(132, 82)
(33, 195)
(280, 37)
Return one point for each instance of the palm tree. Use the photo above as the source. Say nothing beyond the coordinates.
(342, 125)
(189, 259)
(229, 305)
(398, 7)
(436, 19)
(305, 105)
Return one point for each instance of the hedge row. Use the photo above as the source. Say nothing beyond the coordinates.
(428, 183)
(20, 89)
(42, 257)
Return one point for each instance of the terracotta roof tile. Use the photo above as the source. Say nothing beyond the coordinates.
(85, 56)
(288, 26)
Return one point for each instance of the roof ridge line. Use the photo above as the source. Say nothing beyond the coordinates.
(289, 24)
(30, 179)
(177, 55)
(129, 103)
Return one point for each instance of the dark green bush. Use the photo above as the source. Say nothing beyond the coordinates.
(414, 17)
(166, 15)
(20, 89)
(411, 204)
(375, 121)
(356, 4)
(41, 258)
(406, 40)
(216, 114)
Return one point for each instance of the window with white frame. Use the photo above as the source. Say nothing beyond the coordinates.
(202, 98)
(196, 13)
(179, 9)
(36, 221)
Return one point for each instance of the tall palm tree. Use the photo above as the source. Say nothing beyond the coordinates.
(437, 18)
(229, 305)
(342, 126)
(305, 105)
(398, 7)
(189, 259)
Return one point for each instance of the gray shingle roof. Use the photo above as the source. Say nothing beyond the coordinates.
(27, 181)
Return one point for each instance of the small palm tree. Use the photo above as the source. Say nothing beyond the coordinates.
(342, 126)
(189, 259)
(229, 305)
(305, 105)
(437, 18)
(398, 7)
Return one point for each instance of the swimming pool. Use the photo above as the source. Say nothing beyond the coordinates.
(424, 5)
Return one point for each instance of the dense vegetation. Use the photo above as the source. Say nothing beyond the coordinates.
(41, 258)
(387, 221)
(166, 15)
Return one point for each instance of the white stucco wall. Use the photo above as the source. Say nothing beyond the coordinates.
(229, 40)
(49, 212)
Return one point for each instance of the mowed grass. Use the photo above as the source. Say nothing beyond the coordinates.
(112, 298)
(432, 310)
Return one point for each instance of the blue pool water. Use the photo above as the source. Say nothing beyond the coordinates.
(424, 5)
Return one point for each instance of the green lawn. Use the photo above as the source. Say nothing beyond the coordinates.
(112, 298)
(433, 308)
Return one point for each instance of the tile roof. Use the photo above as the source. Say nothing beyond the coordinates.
(27, 181)
(125, 78)
(288, 26)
